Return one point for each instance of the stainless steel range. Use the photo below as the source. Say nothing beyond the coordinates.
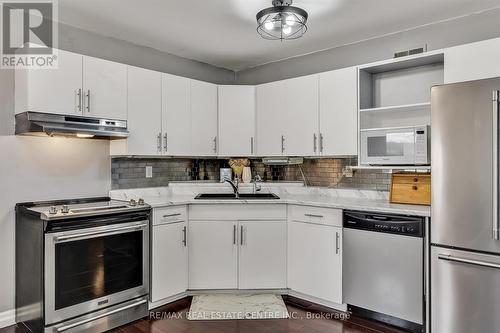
(81, 265)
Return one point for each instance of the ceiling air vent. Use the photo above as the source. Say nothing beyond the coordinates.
(410, 52)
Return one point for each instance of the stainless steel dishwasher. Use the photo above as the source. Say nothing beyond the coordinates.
(383, 270)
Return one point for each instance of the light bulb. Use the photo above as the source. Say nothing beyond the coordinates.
(269, 25)
(287, 29)
(290, 20)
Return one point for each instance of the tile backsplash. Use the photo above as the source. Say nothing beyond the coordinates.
(327, 172)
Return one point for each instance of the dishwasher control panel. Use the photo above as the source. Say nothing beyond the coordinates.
(386, 223)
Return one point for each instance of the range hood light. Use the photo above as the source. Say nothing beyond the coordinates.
(84, 136)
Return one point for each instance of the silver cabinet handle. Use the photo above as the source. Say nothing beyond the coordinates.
(251, 145)
(165, 142)
(88, 320)
(320, 142)
(99, 233)
(449, 257)
(171, 215)
(79, 96)
(314, 142)
(496, 226)
(234, 234)
(184, 236)
(282, 144)
(241, 235)
(215, 144)
(314, 215)
(87, 107)
(337, 246)
(158, 142)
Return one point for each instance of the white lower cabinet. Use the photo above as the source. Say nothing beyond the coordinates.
(169, 271)
(262, 257)
(237, 247)
(315, 260)
(213, 255)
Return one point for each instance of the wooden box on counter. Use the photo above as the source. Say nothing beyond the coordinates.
(411, 188)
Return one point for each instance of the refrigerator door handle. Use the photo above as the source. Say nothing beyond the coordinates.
(449, 257)
(496, 227)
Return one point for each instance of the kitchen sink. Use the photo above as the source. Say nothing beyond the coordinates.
(229, 196)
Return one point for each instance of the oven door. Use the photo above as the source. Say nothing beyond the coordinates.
(388, 146)
(93, 268)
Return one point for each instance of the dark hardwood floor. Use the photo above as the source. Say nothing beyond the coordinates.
(301, 323)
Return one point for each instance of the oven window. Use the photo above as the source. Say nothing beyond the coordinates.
(95, 267)
(380, 146)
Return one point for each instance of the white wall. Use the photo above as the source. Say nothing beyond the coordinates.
(43, 168)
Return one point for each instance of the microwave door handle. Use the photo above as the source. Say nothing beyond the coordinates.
(496, 227)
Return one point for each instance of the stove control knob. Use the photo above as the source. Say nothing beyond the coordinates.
(132, 202)
(65, 209)
(140, 202)
(53, 210)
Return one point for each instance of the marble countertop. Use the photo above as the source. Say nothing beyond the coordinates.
(289, 193)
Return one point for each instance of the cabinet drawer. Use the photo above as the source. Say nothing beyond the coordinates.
(169, 215)
(327, 216)
(411, 179)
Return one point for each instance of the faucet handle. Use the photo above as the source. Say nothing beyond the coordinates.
(257, 178)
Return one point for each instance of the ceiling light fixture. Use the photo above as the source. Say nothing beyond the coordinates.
(282, 21)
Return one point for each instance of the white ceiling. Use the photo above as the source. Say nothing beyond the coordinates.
(222, 32)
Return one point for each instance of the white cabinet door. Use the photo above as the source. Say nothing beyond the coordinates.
(203, 118)
(270, 119)
(105, 88)
(300, 115)
(176, 114)
(315, 260)
(338, 112)
(262, 258)
(236, 121)
(169, 270)
(51, 90)
(213, 255)
(144, 112)
(472, 61)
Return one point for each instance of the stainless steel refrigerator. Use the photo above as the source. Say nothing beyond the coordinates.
(465, 245)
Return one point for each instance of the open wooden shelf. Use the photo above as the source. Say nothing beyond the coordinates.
(399, 108)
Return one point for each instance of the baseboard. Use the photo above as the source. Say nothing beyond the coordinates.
(237, 291)
(7, 318)
(319, 301)
(154, 305)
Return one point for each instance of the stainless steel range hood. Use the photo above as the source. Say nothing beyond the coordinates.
(43, 124)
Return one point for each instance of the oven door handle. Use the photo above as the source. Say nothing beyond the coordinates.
(88, 320)
(98, 233)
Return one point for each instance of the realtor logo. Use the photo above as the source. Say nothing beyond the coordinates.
(28, 34)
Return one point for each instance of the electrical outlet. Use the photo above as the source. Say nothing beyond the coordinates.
(149, 171)
(347, 171)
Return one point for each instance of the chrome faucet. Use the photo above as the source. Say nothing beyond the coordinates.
(256, 186)
(235, 185)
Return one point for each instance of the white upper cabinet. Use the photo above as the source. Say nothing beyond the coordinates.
(472, 61)
(236, 121)
(176, 115)
(338, 131)
(51, 90)
(299, 113)
(144, 112)
(203, 118)
(271, 119)
(104, 88)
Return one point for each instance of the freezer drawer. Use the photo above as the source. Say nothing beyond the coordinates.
(465, 292)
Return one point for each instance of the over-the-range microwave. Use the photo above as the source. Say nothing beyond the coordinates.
(395, 146)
